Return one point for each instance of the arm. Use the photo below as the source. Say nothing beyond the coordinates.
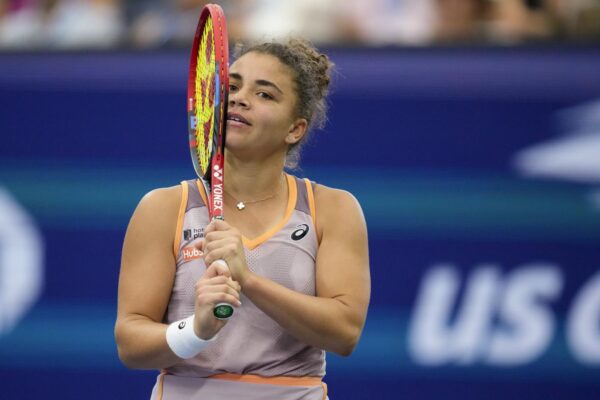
(146, 281)
(332, 320)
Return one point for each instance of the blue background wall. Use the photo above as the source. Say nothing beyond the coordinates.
(429, 141)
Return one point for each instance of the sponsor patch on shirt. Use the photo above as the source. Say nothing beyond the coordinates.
(190, 253)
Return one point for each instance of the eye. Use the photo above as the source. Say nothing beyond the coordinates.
(265, 95)
(232, 88)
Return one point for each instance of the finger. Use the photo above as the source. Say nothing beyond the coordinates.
(201, 245)
(221, 267)
(224, 288)
(205, 282)
(217, 225)
(216, 298)
(235, 285)
(216, 235)
(210, 277)
(225, 251)
(215, 244)
(216, 269)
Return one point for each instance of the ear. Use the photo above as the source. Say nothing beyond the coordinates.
(297, 131)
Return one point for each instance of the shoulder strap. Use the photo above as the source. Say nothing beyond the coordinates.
(180, 216)
(311, 200)
(306, 199)
(197, 194)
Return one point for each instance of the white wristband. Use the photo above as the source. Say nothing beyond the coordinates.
(182, 339)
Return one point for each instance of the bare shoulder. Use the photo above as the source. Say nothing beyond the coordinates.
(157, 210)
(334, 206)
(165, 199)
(326, 196)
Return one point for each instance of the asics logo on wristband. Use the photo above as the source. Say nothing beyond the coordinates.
(181, 325)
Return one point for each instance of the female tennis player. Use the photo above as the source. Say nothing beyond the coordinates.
(297, 253)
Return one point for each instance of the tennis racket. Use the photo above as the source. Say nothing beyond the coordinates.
(208, 87)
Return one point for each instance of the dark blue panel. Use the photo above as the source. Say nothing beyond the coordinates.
(425, 139)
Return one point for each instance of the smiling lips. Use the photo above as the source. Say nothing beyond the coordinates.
(237, 119)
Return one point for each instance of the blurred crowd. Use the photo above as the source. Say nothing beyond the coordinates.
(84, 24)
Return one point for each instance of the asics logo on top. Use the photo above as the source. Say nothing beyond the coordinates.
(300, 232)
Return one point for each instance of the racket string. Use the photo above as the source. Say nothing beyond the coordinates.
(204, 94)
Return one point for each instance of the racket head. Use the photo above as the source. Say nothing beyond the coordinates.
(208, 86)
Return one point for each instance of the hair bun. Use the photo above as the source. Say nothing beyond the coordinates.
(318, 64)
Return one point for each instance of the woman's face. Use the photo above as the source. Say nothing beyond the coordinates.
(262, 100)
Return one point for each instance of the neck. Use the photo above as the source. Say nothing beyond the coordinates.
(252, 179)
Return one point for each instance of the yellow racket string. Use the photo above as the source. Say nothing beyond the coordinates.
(204, 93)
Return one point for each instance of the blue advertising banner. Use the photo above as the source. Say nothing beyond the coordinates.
(478, 171)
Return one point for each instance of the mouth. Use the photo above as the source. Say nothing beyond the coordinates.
(237, 118)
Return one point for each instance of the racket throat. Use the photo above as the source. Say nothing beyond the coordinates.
(217, 201)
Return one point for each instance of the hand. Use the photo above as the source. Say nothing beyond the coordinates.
(215, 286)
(223, 242)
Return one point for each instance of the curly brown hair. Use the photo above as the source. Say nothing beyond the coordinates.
(312, 77)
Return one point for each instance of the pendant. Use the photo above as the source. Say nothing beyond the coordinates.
(240, 206)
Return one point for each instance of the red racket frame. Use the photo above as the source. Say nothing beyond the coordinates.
(215, 174)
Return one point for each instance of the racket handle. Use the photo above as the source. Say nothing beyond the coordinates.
(223, 311)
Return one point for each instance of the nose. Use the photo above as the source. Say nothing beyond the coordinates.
(237, 98)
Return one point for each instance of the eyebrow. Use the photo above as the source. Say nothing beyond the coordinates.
(259, 82)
